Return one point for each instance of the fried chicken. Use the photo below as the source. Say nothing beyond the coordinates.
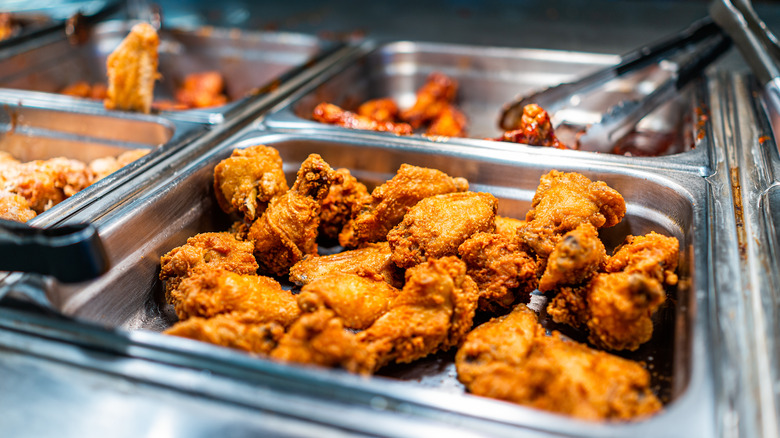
(202, 90)
(535, 129)
(86, 90)
(209, 251)
(577, 257)
(373, 260)
(229, 330)
(451, 122)
(6, 26)
(504, 274)
(654, 255)
(44, 183)
(132, 70)
(382, 110)
(333, 115)
(437, 225)
(248, 180)
(342, 204)
(287, 230)
(507, 226)
(102, 167)
(15, 208)
(433, 98)
(511, 358)
(390, 202)
(358, 300)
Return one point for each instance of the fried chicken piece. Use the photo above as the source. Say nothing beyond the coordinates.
(433, 98)
(451, 122)
(577, 257)
(357, 300)
(287, 230)
(437, 225)
(342, 203)
(333, 115)
(15, 208)
(132, 70)
(102, 167)
(202, 90)
(561, 203)
(654, 255)
(511, 358)
(504, 274)
(6, 26)
(433, 312)
(535, 129)
(230, 330)
(209, 251)
(382, 110)
(373, 261)
(45, 183)
(210, 292)
(248, 180)
(507, 226)
(390, 202)
(86, 90)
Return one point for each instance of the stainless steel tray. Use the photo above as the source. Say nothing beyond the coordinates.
(488, 78)
(180, 204)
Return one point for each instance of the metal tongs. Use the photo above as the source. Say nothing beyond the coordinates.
(620, 119)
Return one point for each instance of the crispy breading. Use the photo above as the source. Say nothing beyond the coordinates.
(230, 330)
(576, 258)
(373, 260)
(345, 197)
(132, 70)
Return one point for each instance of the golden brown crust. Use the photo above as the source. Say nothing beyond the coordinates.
(229, 330)
(576, 257)
(132, 70)
(343, 202)
(373, 260)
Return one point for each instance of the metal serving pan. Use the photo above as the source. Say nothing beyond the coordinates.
(250, 62)
(128, 299)
(489, 77)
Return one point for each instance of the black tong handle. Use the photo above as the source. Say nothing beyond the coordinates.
(70, 253)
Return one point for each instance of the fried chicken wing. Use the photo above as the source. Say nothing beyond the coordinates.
(45, 183)
(248, 180)
(390, 202)
(342, 204)
(132, 70)
(382, 110)
(433, 98)
(287, 230)
(511, 358)
(358, 300)
(433, 312)
(230, 330)
(507, 226)
(577, 257)
(451, 122)
(373, 260)
(205, 250)
(333, 115)
(15, 208)
(504, 274)
(654, 255)
(86, 90)
(202, 90)
(535, 129)
(437, 225)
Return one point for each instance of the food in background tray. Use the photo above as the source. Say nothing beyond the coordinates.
(433, 110)
(41, 184)
(6, 26)
(535, 129)
(132, 70)
(356, 312)
(86, 90)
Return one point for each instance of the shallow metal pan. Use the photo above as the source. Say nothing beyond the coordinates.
(489, 77)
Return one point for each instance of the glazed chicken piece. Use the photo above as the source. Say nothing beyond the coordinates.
(433, 98)
(373, 261)
(132, 70)
(433, 312)
(44, 184)
(287, 230)
(102, 167)
(85, 90)
(437, 225)
(248, 180)
(232, 331)
(451, 122)
(342, 204)
(576, 258)
(390, 202)
(205, 251)
(511, 358)
(15, 208)
(357, 300)
(382, 110)
(202, 90)
(561, 203)
(535, 129)
(333, 115)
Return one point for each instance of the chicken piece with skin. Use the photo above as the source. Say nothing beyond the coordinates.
(654, 255)
(132, 70)
(381, 110)
(576, 258)
(85, 90)
(433, 98)
(511, 358)
(504, 274)
(247, 181)
(102, 167)
(357, 300)
(287, 230)
(15, 208)
(202, 90)
(342, 204)
(535, 129)
(437, 225)
(45, 183)
(205, 251)
(507, 226)
(334, 115)
(390, 202)
(373, 261)
(451, 122)
(232, 331)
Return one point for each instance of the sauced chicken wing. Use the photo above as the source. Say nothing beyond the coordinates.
(433, 97)
(577, 257)
(535, 129)
(45, 183)
(15, 208)
(504, 273)
(209, 251)
(390, 202)
(230, 330)
(342, 204)
(333, 115)
(511, 358)
(381, 110)
(287, 230)
(437, 225)
(358, 300)
(451, 122)
(202, 90)
(373, 260)
(433, 312)
(248, 180)
(562, 202)
(132, 70)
